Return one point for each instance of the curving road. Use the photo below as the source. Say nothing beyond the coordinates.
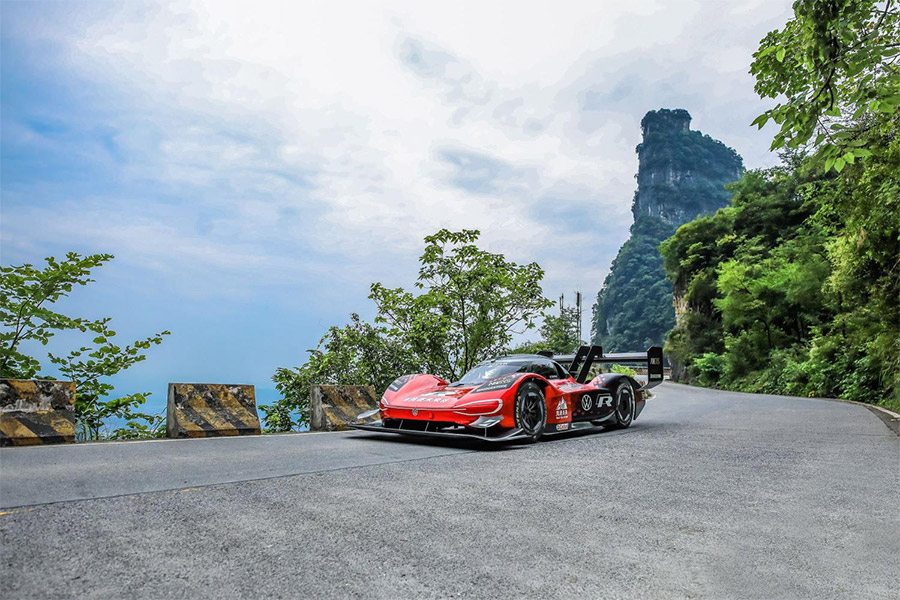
(709, 495)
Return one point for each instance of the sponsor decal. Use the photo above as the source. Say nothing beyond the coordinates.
(605, 401)
(586, 402)
(562, 427)
(562, 410)
(435, 397)
(499, 383)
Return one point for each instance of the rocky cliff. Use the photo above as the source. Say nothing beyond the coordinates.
(681, 175)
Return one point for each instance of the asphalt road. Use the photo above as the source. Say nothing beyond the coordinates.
(708, 495)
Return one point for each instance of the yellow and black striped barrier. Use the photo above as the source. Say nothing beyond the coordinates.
(334, 407)
(210, 410)
(36, 411)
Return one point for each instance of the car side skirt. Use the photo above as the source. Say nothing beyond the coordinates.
(558, 428)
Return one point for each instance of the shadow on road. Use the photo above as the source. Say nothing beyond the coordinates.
(474, 444)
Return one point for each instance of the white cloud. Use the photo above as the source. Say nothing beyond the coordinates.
(345, 132)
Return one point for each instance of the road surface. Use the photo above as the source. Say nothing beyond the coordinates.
(709, 495)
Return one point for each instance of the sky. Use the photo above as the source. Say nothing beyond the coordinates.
(254, 167)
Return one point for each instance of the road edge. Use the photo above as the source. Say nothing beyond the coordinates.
(890, 418)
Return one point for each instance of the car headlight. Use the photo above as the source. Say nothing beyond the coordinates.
(487, 406)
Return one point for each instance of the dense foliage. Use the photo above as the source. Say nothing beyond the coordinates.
(634, 307)
(26, 294)
(470, 304)
(795, 288)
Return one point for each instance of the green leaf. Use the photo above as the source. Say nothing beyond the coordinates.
(760, 121)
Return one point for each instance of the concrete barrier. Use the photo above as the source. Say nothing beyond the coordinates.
(36, 411)
(333, 407)
(210, 410)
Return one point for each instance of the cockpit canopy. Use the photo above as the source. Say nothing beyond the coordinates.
(505, 365)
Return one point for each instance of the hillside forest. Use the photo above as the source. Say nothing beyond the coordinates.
(795, 287)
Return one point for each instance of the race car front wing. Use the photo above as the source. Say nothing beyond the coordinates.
(505, 435)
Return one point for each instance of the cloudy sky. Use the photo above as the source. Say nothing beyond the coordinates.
(255, 166)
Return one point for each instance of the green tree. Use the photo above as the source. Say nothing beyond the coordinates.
(88, 367)
(835, 63)
(471, 303)
(559, 334)
(26, 293)
(356, 354)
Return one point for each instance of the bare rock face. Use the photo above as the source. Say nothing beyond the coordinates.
(36, 411)
(681, 173)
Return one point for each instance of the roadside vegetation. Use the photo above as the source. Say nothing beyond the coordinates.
(27, 295)
(795, 287)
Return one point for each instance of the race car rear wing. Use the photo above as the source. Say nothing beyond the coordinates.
(580, 363)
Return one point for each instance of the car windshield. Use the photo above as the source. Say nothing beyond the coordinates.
(487, 371)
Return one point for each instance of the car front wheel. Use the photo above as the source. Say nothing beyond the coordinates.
(531, 410)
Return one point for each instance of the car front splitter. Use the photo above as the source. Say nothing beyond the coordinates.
(510, 436)
(513, 435)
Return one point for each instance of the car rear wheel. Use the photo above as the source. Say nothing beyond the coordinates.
(623, 401)
(531, 410)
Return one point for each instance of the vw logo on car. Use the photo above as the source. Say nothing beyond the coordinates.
(586, 402)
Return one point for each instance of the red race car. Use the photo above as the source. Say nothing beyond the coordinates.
(521, 396)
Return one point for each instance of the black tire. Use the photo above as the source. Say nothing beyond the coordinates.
(623, 405)
(531, 410)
